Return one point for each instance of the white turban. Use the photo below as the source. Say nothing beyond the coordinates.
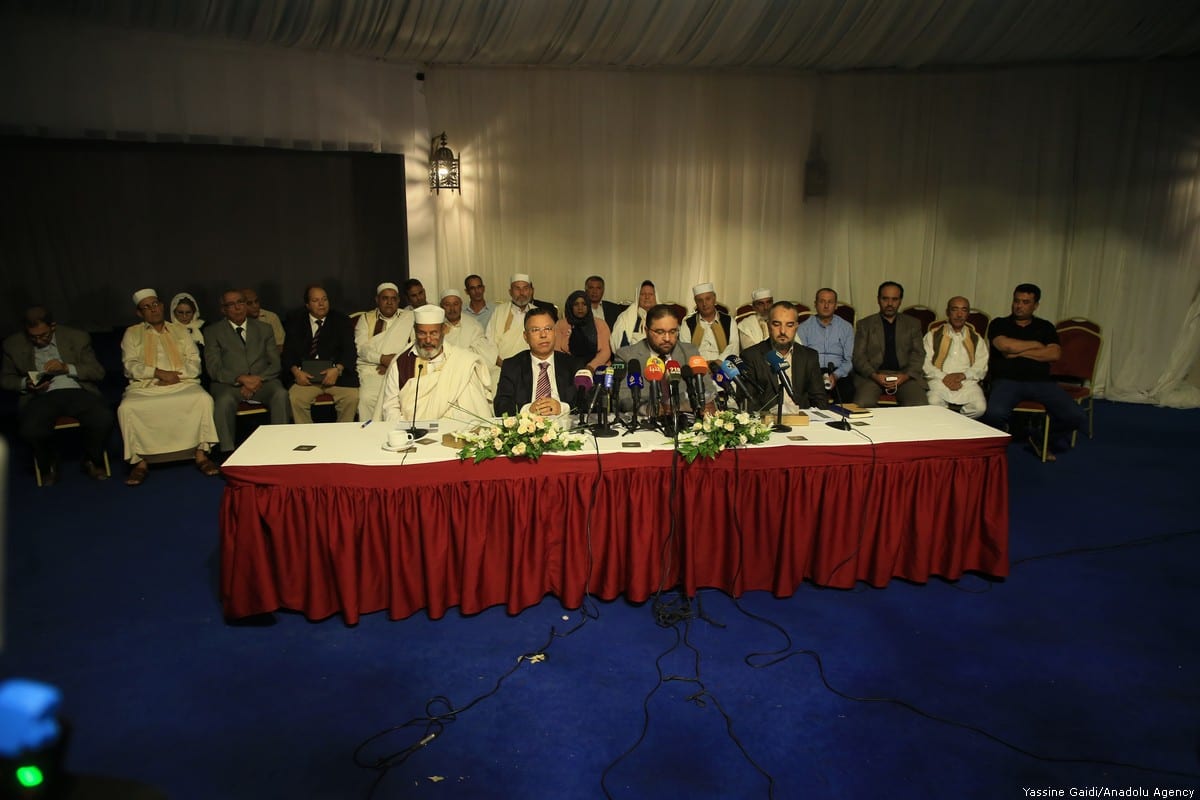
(760, 294)
(387, 285)
(142, 294)
(430, 315)
(519, 277)
(702, 288)
(450, 293)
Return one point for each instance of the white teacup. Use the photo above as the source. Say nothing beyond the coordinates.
(398, 440)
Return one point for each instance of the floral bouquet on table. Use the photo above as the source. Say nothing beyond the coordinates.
(524, 436)
(716, 432)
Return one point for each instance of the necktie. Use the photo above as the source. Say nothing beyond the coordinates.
(543, 382)
(379, 323)
(315, 346)
(241, 333)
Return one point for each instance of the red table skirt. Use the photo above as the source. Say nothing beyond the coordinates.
(325, 539)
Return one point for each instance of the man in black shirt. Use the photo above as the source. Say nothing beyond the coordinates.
(1022, 349)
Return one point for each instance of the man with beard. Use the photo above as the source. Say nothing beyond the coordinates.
(427, 381)
(804, 372)
(889, 356)
(662, 341)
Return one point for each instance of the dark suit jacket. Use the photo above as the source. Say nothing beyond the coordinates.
(74, 348)
(336, 344)
(611, 312)
(807, 383)
(225, 357)
(910, 347)
(515, 388)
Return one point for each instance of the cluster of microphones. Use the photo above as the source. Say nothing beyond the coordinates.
(665, 383)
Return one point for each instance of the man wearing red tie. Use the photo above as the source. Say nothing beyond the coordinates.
(540, 379)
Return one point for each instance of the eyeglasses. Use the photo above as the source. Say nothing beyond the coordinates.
(661, 332)
(547, 329)
(148, 306)
(42, 337)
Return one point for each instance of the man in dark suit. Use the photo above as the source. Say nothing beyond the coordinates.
(889, 354)
(55, 371)
(594, 287)
(808, 387)
(323, 340)
(242, 360)
(540, 379)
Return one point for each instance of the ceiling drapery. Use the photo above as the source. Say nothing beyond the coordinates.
(823, 35)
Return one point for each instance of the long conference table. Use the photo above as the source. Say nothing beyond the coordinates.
(321, 519)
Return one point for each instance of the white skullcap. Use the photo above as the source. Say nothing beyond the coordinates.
(387, 285)
(142, 294)
(430, 315)
(702, 288)
(519, 277)
(450, 293)
(760, 294)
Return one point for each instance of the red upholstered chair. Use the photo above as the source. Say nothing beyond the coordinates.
(722, 308)
(1080, 341)
(679, 311)
(743, 311)
(322, 408)
(66, 424)
(846, 312)
(979, 321)
(804, 309)
(249, 417)
(922, 314)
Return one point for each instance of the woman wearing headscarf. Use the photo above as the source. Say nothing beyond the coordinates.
(186, 312)
(581, 334)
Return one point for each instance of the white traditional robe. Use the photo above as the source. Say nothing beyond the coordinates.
(158, 418)
(623, 333)
(455, 376)
(396, 337)
(469, 335)
(751, 330)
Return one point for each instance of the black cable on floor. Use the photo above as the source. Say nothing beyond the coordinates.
(440, 711)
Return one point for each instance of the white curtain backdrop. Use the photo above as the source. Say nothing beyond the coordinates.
(1083, 180)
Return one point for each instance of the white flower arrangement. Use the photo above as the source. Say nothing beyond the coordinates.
(523, 436)
(716, 432)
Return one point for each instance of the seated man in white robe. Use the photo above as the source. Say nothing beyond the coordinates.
(434, 380)
(752, 328)
(375, 348)
(464, 332)
(164, 409)
(956, 360)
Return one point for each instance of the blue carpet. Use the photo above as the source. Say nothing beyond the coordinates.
(1083, 660)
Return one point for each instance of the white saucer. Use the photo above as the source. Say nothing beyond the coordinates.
(406, 449)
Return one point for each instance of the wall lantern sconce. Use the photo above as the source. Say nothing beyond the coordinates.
(443, 167)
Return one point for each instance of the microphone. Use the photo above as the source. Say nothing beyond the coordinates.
(673, 376)
(583, 382)
(745, 374)
(635, 383)
(416, 432)
(596, 391)
(781, 367)
(617, 368)
(724, 385)
(842, 424)
(685, 372)
(731, 370)
(655, 370)
(699, 370)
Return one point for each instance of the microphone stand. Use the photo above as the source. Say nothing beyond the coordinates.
(842, 424)
(416, 432)
(779, 427)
